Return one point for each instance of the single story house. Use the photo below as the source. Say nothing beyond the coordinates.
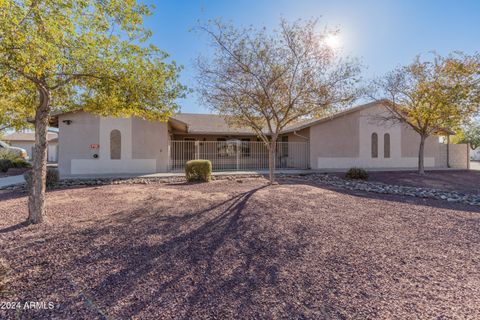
(26, 140)
(93, 145)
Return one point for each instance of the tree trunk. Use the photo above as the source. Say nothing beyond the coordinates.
(271, 160)
(36, 200)
(421, 155)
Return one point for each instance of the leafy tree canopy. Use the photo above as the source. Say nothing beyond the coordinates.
(60, 55)
(469, 134)
(269, 80)
(432, 96)
(82, 53)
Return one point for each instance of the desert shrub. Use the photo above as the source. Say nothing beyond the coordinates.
(198, 170)
(9, 160)
(20, 163)
(52, 178)
(357, 174)
(5, 164)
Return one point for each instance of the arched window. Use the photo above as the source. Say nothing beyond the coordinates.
(374, 145)
(386, 145)
(115, 144)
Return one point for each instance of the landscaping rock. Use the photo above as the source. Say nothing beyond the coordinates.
(382, 188)
(75, 182)
(375, 187)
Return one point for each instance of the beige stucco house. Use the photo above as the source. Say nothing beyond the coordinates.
(92, 145)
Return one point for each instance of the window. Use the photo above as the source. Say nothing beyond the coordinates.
(386, 145)
(115, 144)
(374, 145)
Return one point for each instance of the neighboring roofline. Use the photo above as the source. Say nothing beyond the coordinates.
(444, 131)
(26, 140)
(27, 136)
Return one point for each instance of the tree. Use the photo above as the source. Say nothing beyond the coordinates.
(471, 135)
(60, 55)
(267, 81)
(432, 97)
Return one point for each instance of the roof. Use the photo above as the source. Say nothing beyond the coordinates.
(27, 136)
(216, 124)
(197, 123)
(209, 124)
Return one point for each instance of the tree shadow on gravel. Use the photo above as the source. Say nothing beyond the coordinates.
(13, 194)
(386, 197)
(212, 262)
(14, 227)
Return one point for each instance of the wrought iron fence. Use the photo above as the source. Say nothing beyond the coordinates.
(236, 155)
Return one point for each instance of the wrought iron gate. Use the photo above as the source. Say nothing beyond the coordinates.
(236, 155)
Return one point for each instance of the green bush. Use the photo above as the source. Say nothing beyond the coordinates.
(52, 178)
(20, 163)
(11, 160)
(357, 174)
(5, 164)
(198, 170)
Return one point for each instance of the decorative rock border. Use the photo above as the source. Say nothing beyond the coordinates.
(368, 186)
(75, 182)
(379, 187)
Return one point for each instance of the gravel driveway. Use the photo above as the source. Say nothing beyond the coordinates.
(230, 250)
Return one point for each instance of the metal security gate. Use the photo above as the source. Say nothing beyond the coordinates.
(236, 155)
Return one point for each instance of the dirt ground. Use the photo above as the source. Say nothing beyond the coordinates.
(241, 250)
(467, 181)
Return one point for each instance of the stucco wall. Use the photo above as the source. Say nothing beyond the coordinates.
(411, 143)
(150, 140)
(144, 145)
(346, 141)
(337, 138)
(459, 155)
(74, 140)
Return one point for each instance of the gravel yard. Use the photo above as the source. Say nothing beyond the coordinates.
(455, 180)
(230, 250)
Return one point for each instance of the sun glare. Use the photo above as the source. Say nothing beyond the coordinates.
(333, 41)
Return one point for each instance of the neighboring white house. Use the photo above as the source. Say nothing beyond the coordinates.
(26, 140)
(475, 154)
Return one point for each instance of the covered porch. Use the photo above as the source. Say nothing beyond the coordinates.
(237, 154)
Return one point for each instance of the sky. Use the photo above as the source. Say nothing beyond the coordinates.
(381, 34)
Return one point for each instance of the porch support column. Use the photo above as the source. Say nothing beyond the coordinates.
(197, 149)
